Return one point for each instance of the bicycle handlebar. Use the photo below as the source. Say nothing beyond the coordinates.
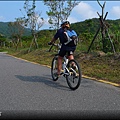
(53, 44)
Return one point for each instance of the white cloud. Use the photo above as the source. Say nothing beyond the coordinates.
(1, 18)
(116, 11)
(85, 11)
(72, 19)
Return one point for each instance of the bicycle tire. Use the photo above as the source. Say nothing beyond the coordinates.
(54, 68)
(74, 79)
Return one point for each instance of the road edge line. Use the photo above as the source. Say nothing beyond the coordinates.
(84, 76)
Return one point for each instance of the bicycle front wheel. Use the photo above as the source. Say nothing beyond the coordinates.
(74, 77)
(54, 68)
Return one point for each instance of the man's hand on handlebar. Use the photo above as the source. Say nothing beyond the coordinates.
(50, 43)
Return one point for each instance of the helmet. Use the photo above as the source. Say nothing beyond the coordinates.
(65, 23)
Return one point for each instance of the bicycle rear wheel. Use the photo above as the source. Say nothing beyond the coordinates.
(54, 68)
(74, 78)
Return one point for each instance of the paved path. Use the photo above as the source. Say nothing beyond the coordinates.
(27, 89)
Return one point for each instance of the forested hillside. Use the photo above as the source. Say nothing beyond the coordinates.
(4, 30)
(90, 25)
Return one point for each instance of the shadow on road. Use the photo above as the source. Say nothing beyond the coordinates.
(46, 80)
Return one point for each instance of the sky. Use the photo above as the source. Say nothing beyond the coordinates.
(9, 10)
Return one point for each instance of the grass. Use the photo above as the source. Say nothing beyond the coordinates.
(105, 67)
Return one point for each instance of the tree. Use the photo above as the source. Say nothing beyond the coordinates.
(107, 46)
(32, 21)
(16, 29)
(59, 10)
(2, 40)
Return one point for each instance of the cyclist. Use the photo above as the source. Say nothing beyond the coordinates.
(65, 49)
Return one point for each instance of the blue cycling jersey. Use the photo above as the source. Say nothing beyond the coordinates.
(64, 48)
(60, 35)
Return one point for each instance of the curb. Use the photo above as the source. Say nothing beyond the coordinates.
(83, 76)
(103, 81)
(3, 52)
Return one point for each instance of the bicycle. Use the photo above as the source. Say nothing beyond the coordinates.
(71, 73)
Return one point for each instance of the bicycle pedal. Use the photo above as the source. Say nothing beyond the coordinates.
(66, 74)
(77, 75)
(61, 73)
(62, 70)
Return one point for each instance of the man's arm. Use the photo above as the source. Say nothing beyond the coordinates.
(52, 41)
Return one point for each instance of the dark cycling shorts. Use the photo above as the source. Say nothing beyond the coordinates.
(65, 50)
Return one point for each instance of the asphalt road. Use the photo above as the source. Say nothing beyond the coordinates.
(27, 89)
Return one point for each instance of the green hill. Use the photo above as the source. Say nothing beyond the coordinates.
(4, 29)
(92, 25)
(89, 25)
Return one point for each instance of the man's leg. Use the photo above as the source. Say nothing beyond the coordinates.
(70, 57)
(59, 64)
(60, 59)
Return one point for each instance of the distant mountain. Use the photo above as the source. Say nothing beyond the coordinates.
(89, 25)
(4, 30)
(92, 25)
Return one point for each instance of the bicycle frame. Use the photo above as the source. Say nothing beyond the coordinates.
(64, 64)
(65, 60)
(64, 67)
